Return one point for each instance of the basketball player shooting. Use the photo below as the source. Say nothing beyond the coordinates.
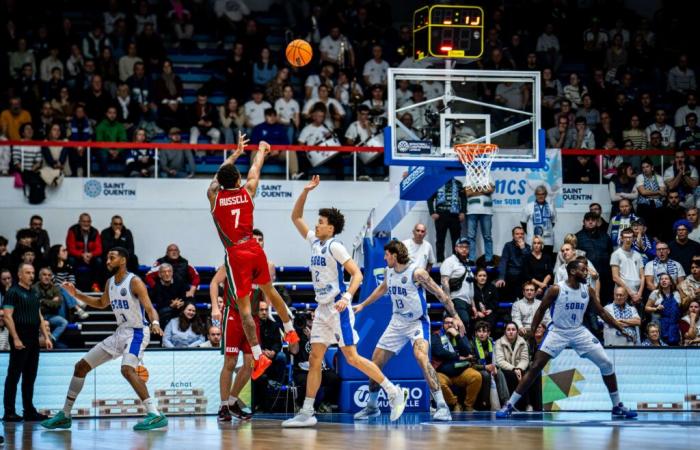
(334, 319)
(246, 264)
(128, 296)
(406, 284)
(567, 302)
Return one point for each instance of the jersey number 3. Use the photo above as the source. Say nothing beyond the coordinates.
(237, 214)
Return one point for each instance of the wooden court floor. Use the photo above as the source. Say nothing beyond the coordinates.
(413, 432)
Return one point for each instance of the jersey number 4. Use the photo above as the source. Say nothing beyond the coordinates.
(236, 213)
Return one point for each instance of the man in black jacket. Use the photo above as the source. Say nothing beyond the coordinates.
(182, 270)
(118, 235)
(452, 356)
(447, 207)
(596, 243)
(168, 295)
(510, 268)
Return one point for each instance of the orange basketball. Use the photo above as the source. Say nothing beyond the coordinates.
(299, 53)
(142, 372)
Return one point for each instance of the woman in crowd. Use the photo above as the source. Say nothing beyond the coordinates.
(55, 157)
(574, 91)
(186, 331)
(539, 267)
(653, 336)
(275, 87)
(168, 95)
(140, 162)
(572, 240)
(552, 92)
(264, 70)
(57, 258)
(636, 134)
(63, 105)
(622, 185)
(485, 297)
(690, 325)
(664, 306)
(232, 119)
(512, 358)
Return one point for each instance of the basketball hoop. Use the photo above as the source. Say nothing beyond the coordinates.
(477, 159)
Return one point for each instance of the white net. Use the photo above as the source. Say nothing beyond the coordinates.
(477, 159)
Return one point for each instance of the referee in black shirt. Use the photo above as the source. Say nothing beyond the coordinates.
(24, 322)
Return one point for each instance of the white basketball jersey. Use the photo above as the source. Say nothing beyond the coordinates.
(327, 259)
(127, 308)
(569, 308)
(407, 296)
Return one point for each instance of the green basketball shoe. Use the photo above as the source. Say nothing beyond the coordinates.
(58, 421)
(151, 422)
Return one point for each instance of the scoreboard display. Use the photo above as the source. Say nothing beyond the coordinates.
(448, 31)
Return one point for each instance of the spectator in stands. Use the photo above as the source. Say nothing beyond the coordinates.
(107, 68)
(182, 270)
(335, 48)
(172, 162)
(486, 364)
(94, 41)
(186, 332)
(238, 73)
(689, 135)
(419, 249)
(25, 240)
(150, 47)
(539, 217)
(28, 88)
(204, 119)
(168, 95)
(213, 338)
(50, 299)
(523, 310)
(44, 121)
(539, 267)
(574, 91)
(628, 268)
(19, 57)
(457, 281)
(548, 49)
(692, 215)
(513, 359)
(141, 87)
(557, 136)
(485, 297)
(690, 325)
(264, 69)
(690, 287)
(12, 118)
(641, 242)
(27, 159)
(313, 81)
(128, 111)
(288, 111)
(255, 108)
(375, 70)
(671, 212)
(452, 356)
(110, 130)
(652, 191)
(668, 134)
(140, 162)
(627, 316)
(335, 111)
(5, 283)
(24, 321)
(5, 259)
(127, 62)
(271, 342)
(41, 236)
(683, 249)
(637, 135)
(112, 15)
(622, 185)
(447, 207)
(664, 307)
(580, 137)
(653, 336)
(330, 382)
(595, 243)
(621, 221)
(168, 294)
(4, 333)
(361, 130)
(118, 235)
(690, 106)
(232, 119)
(57, 261)
(656, 142)
(511, 266)
(616, 55)
(588, 112)
(85, 253)
(181, 21)
(50, 63)
(681, 80)
(315, 133)
(230, 16)
(74, 66)
(479, 214)
(683, 177)
(274, 89)
(144, 17)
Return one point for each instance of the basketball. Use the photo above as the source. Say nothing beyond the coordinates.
(299, 53)
(142, 372)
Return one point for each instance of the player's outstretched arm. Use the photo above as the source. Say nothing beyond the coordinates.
(423, 277)
(298, 210)
(253, 178)
(606, 316)
(378, 293)
(138, 288)
(214, 185)
(549, 297)
(98, 303)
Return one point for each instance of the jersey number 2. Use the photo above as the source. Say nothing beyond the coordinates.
(237, 214)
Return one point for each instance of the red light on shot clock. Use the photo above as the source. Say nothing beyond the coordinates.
(446, 48)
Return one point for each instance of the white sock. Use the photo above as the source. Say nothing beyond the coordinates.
(257, 351)
(308, 405)
(288, 326)
(223, 403)
(388, 386)
(150, 405)
(514, 398)
(232, 400)
(439, 399)
(615, 397)
(74, 388)
(372, 402)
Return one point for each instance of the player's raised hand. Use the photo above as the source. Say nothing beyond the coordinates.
(460, 326)
(69, 287)
(315, 181)
(264, 147)
(242, 142)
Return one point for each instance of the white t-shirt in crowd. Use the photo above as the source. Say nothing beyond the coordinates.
(668, 173)
(432, 89)
(255, 112)
(313, 135)
(357, 134)
(331, 47)
(286, 109)
(376, 71)
(657, 269)
(421, 254)
(630, 263)
(452, 267)
(402, 97)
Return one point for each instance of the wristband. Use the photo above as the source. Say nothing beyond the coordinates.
(155, 322)
(347, 296)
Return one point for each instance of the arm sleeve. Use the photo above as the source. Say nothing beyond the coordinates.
(339, 252)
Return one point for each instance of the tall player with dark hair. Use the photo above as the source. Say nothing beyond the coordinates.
(246, 264)
(406, 284)
(334, 321)
(128, 297)
(567, 302)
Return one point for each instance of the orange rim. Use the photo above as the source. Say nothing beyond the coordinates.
(468, 152)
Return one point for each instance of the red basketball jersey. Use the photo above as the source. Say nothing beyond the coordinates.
(233, 215)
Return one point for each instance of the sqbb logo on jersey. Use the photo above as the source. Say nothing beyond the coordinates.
(113, 190)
